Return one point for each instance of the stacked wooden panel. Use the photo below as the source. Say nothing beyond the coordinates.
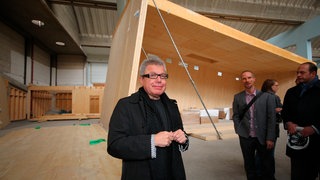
(17, 104)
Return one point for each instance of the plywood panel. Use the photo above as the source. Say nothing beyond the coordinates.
(64, 101)
(81, 98)
(4, 108)
(17, 104)
(198, 36)
(40, 103)
(201, 41)
(94, 104)
(124, 56)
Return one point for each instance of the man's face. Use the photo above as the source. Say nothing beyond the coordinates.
(303, 74)
(154, 87)
(248, 80)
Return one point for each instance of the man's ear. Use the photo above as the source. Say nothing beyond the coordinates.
(140, 79)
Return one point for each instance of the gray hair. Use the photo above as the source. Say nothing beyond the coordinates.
(151, 60)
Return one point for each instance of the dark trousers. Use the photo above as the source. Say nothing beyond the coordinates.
(251, 148)
(258, 161)
(306, 169)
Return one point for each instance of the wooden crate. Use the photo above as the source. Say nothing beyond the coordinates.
(64, 99)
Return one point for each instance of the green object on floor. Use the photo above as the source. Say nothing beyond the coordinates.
(88, 124)
(37, 127)
(97, 141)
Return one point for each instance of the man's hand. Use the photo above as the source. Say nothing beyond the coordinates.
(292, 128)
(270, 144)
(163, 138)
(179, 136)
(307, 131)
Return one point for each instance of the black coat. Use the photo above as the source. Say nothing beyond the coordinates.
(129, 138)
(304, 111)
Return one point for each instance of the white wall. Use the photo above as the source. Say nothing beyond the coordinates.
(71, 70)
(97, 72)
(11, 53)
(41, 67)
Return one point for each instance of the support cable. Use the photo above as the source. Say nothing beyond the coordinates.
(185, 67)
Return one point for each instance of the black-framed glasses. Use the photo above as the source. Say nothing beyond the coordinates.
(155, 76)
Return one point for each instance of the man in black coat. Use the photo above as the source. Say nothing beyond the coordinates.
(146, 130)
(301, 118)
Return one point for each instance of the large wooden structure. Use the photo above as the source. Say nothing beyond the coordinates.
(67, 99)
(202, 42)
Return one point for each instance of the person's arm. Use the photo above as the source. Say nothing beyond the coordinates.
(236, 113)
(124, 142)
(285, 112)
(271, 119)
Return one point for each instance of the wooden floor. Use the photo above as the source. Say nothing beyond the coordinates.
(207, 131)
(60, 152)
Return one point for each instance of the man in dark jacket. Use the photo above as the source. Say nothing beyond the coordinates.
(146, 130)
(301, 117)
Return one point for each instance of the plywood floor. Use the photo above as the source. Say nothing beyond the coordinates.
(207, 132)
(61, 152)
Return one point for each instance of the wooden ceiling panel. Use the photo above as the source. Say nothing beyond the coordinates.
(231, 50)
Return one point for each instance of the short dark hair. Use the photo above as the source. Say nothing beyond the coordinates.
(312, 67)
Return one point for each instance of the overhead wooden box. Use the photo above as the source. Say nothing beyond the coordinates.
(199, 39)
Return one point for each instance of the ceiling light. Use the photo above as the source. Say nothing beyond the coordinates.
(38, 22)
(183, 65)
(219, 73)
(237, 79)
(59, 43)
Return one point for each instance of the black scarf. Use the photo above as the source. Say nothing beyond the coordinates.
(307, 86)
(161, 165)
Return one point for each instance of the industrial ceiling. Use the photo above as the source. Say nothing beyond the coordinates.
(86, 26)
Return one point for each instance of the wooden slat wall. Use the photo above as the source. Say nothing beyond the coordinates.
(64, 101)
(4, 108)
(17, 104)
(76, 99)
(40, 103)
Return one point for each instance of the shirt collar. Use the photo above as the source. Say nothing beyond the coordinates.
(254, 93)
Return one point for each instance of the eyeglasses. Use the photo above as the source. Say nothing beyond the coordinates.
(155, 76)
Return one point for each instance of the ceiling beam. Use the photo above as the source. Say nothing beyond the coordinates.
(86, 3)
(228, 17)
